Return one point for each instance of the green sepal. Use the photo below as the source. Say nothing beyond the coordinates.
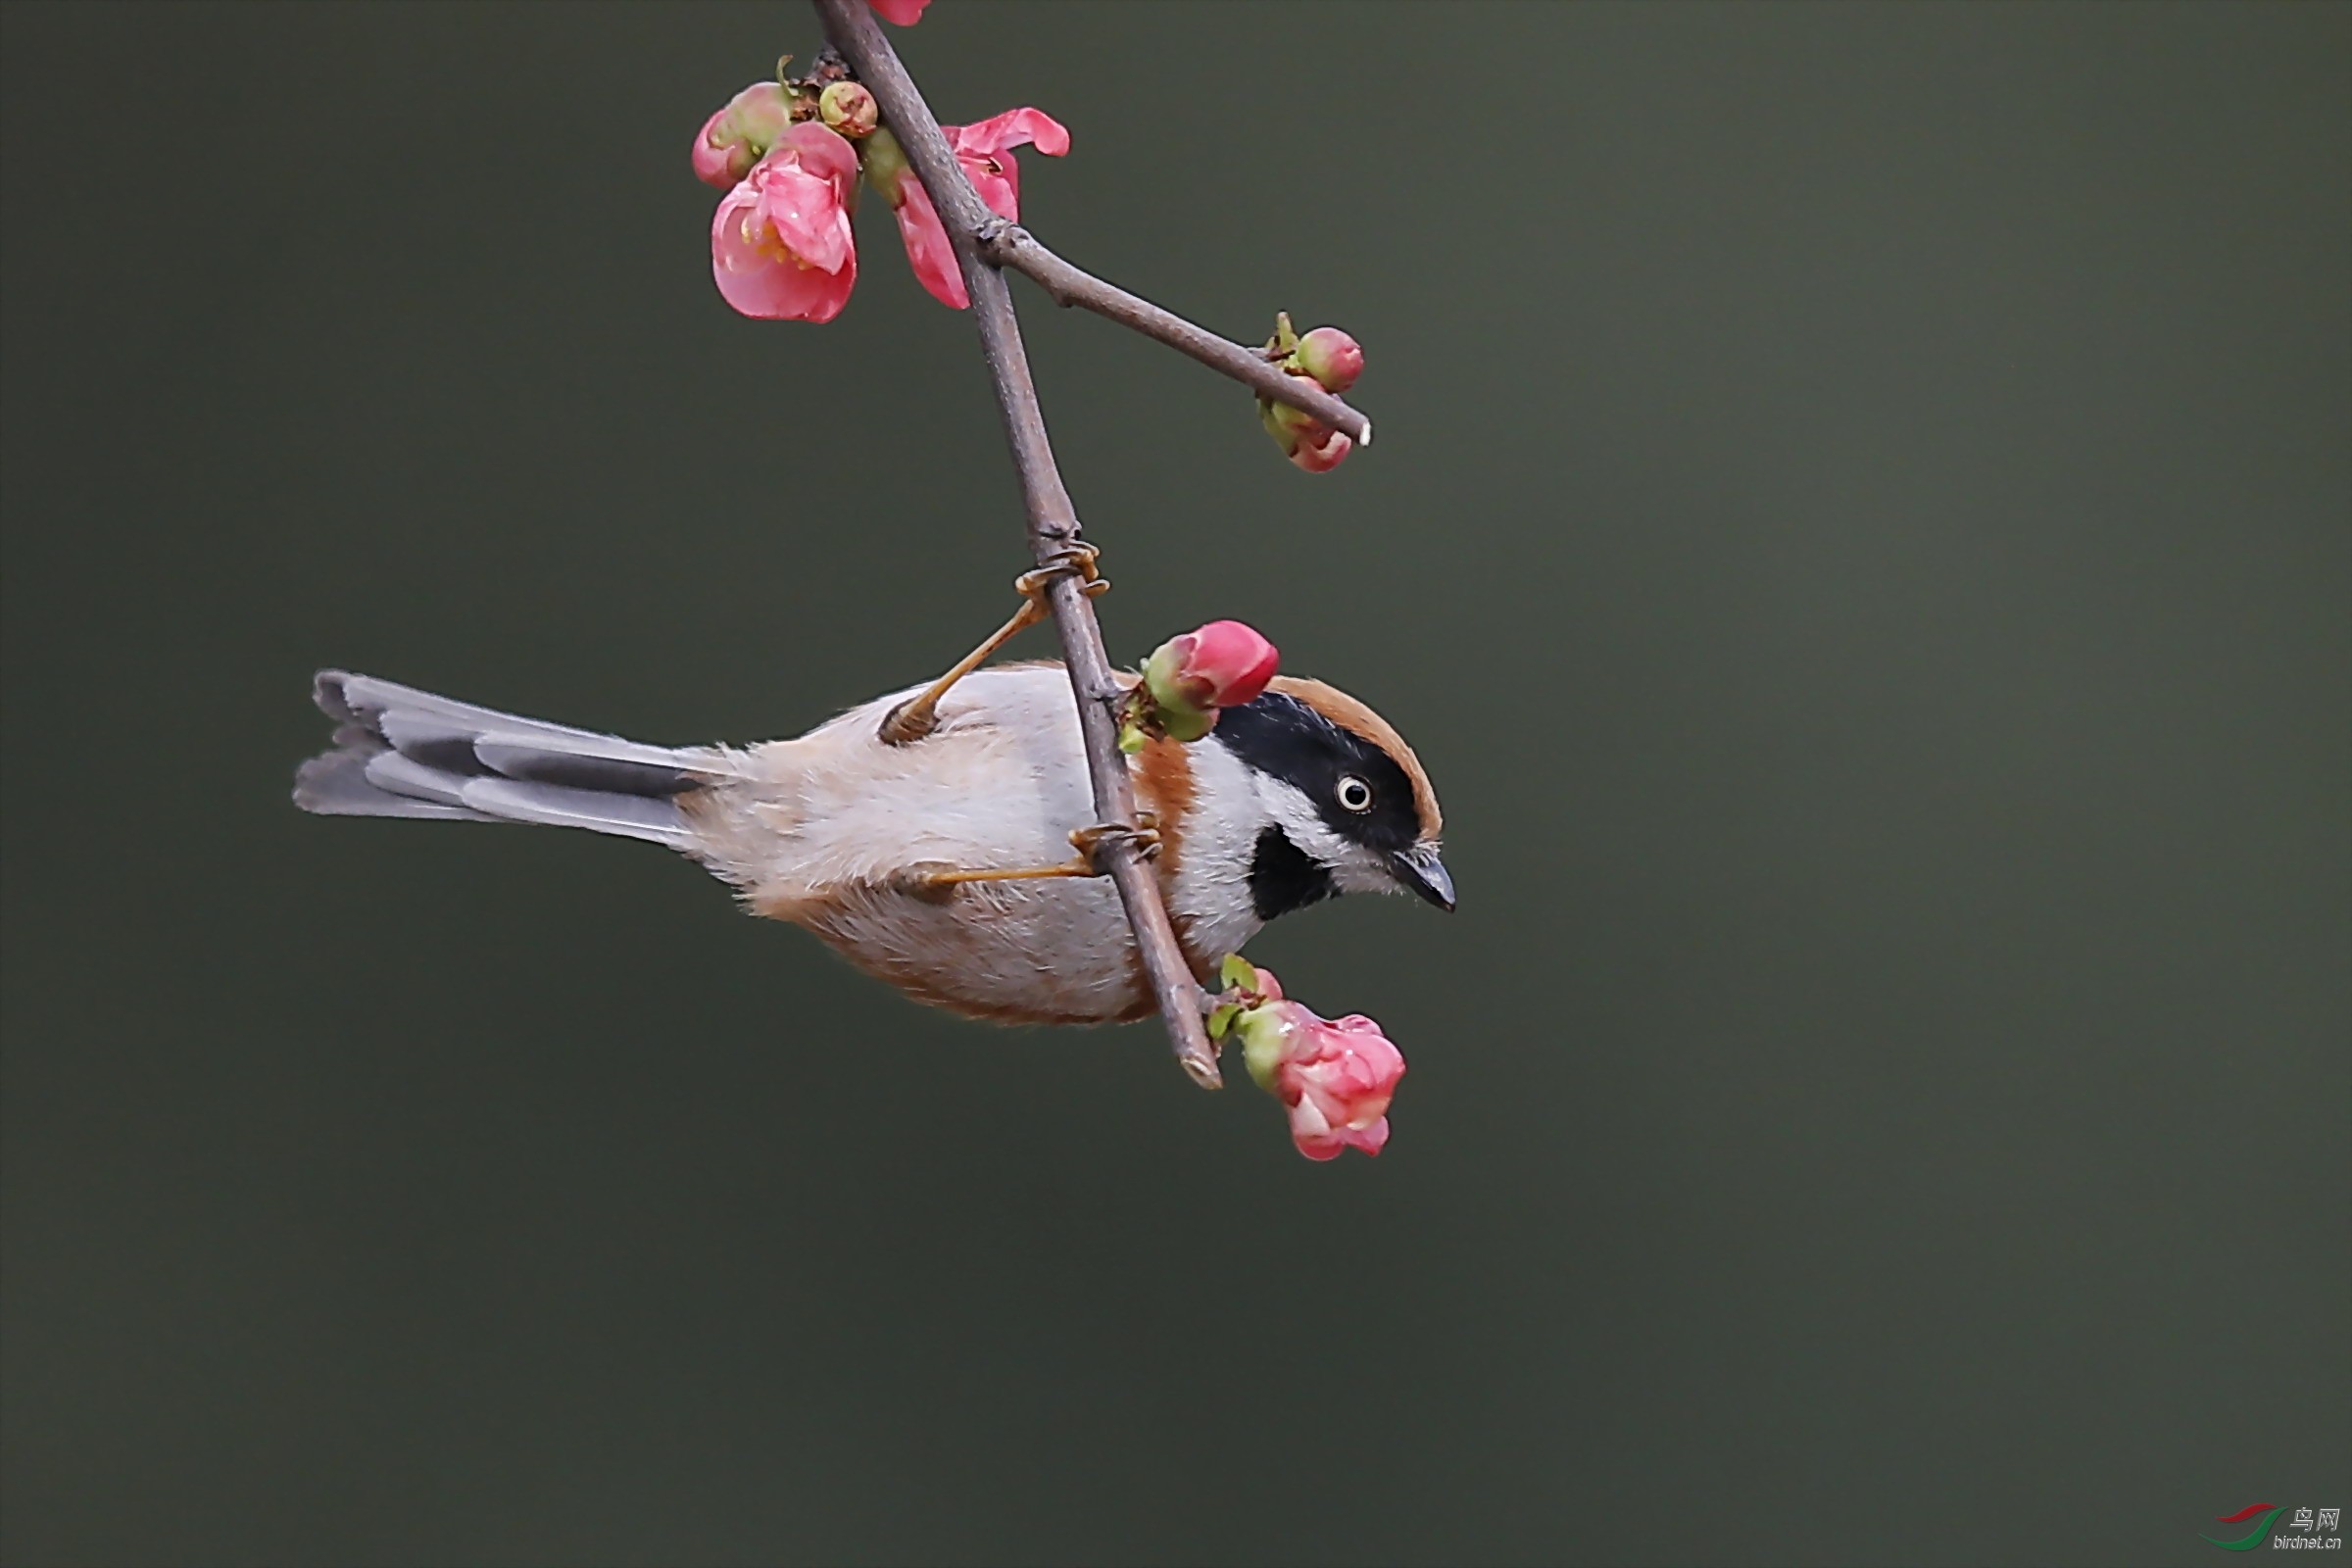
(1187, 723)
(1265, 1033)
(884, 163)
(1238, 974)
(1220, 1018)
(1285, 341)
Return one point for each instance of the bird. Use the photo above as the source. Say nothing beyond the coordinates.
(941, 867)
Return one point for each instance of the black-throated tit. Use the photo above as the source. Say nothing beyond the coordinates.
(913, 862)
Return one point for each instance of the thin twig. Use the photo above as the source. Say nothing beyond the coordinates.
(1052, 526)
(1010, 245)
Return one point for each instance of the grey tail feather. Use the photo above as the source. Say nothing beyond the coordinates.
(400, 751)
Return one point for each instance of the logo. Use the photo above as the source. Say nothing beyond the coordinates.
(2263, 1515)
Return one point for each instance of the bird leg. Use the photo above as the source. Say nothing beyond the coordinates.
(918, 715)
(1085, 840)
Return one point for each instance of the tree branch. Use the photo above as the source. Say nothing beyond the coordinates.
(1054, 529)
(1010, 245)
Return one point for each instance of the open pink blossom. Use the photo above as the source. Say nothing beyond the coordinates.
(780, 245)
(1335, 1076)
(985, 153)
(905, 13)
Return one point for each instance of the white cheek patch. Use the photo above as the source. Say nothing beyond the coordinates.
(1354, 868)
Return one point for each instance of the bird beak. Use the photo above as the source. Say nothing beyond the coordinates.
(1419, 870)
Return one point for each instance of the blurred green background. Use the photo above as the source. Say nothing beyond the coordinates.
(1858, 532)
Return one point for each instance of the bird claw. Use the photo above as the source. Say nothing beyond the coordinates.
(918, 715)
(1089, 841)
(932, 881)
(935, 881)
(1071, 559)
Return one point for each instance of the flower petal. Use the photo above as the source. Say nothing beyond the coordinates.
(928, 251)
(806, 214)
(902, 13)
(996, 176)
(1230, 661)
(718, 163)
(759, 281)
(1321, 449)
(1014, 127)
(824, 152)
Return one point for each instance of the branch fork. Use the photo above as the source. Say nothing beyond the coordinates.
(1005, 243)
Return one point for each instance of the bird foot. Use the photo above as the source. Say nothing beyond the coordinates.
(934, 880)
(918, 715)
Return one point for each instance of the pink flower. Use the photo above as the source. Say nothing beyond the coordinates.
(1338, 1084)
(1335, 1076)
(780, 244)
(739, 135)
(1188, 678)
(905, 13)
(984, 152)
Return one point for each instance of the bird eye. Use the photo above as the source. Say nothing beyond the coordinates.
(1354, 793)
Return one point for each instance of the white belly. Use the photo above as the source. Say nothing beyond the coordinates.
(819, 830)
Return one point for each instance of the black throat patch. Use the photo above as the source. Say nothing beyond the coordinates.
(1283, 877)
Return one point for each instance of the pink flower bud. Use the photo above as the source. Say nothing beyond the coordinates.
(1188, 678)
(1321, 452)
(850, 109)
(905, 13)
(1332, 357)
(780, 243)
(1335, 1076)
(739, 135)
(1306, 440)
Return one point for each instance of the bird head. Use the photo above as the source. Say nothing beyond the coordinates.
(1346, 805)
